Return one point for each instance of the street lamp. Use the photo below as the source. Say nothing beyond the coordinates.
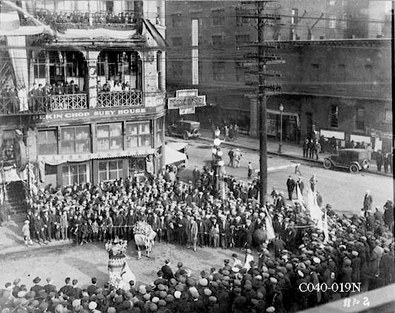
(281, 108)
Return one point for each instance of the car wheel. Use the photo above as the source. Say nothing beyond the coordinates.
(167, 133)
(327, 164)
(354, 168)
(185, 136)
(365, 164)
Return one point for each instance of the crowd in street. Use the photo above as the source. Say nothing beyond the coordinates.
(359, 248)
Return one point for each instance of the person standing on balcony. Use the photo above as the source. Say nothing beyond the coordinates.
(117, 86)
(22, 95)
(107, 86)
(13, 100)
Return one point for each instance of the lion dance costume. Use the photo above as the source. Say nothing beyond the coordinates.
(118, 269)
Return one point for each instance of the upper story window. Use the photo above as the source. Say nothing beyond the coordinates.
(294, 16)
(176, 20)
(218, 71)
(360, 119)
(39, 65)
(159, 131)
(241, 16)
(47, 142)
(332, 21)
(75, 139)
(218, 42)
(334, 115)
(109, 136)
(242, 39)
(177, 69)
(218, 17)
(138, 135)
(240, 72)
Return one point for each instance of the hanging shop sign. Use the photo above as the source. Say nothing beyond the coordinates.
(186, 101)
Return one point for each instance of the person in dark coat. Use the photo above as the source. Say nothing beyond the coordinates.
(386, 267)
(379, 160)
(346, 276)
(50, 287)
(67, 289)
(356, 267)
(36, 288)
(167, 271)
(367, 201)
(290, 186)
(92, 288)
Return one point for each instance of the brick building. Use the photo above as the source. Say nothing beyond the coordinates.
(336, 76)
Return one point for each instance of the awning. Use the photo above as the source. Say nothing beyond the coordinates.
(173, 156)
(56, 159)
(96, 33)
(177, 145)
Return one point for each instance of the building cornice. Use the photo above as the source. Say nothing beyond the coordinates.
(368, 42)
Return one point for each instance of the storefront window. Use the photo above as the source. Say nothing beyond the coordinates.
(138, 135)
(159, 131)
(75, 140)
(109, 137)
(47, 142)
(110, 170)
(74, 174)
(137, 165)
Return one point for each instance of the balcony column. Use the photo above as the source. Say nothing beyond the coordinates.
(91, 58)
(47, 67)
(162, 69)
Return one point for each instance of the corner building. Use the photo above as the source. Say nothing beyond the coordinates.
(100, 109)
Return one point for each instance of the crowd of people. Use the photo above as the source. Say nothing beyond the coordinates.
(37, 99)
(358, 249)
(85, 18)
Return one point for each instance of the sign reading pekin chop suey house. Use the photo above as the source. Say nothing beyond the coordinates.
(94, 113)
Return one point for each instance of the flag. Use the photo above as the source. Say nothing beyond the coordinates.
(269, 226)
(300, 198)
(315, 211)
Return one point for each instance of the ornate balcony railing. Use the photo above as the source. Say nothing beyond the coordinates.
(42, 104)
(119, 99)
(69, 102)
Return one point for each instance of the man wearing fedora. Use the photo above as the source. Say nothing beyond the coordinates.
(36, 288)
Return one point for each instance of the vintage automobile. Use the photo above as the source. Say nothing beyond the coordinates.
(354, 160)
(185, 129)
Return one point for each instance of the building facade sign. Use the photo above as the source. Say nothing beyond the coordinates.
(186, 101)
(86, 114)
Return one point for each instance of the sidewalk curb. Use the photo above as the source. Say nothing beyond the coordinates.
(317, 163)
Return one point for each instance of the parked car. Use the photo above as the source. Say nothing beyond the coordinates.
(185, 129)
(354, 160)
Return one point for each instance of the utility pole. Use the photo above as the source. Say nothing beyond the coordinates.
(262, 106)
(264, 89)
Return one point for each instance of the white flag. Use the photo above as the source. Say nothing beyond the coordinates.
(315, 211)
(269, 226)
(325, 228)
